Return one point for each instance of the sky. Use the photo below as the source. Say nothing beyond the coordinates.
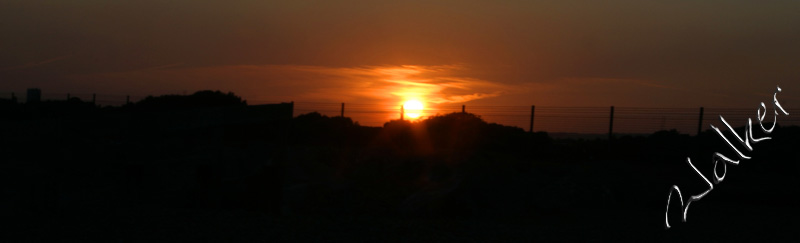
(673, 53)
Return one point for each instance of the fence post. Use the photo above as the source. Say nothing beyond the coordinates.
(127, 99)
(402, 111)
(94, 99)
(533, 108)
(463, 109)
(68, 96)
(13, 97)
(700, 122)
(342, 115)
(611, 123)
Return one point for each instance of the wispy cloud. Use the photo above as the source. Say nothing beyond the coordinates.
(373, 88)
(440, 84)
(33, 64)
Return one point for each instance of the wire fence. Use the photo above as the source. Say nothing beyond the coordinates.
(554, 119)
(591, 120)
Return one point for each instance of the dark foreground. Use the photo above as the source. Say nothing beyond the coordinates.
(155, 172)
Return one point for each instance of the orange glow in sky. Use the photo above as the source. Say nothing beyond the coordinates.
(413, 109)
(375, 55)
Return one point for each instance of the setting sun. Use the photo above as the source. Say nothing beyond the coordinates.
(413, 109)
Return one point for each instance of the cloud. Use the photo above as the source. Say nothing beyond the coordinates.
(33, 64)
(380, 88)
(440, 84)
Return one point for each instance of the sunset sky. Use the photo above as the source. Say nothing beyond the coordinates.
(551, 53)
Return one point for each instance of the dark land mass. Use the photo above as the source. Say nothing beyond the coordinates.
(209, 167)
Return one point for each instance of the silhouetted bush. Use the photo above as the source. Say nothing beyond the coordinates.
(205, 98)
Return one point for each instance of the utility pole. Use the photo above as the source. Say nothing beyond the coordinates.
(533, 108)
(611, 123)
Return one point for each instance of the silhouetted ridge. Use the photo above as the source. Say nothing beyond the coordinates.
(199, 99)
(460, 130)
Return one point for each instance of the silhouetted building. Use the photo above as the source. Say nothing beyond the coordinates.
(34, 95)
